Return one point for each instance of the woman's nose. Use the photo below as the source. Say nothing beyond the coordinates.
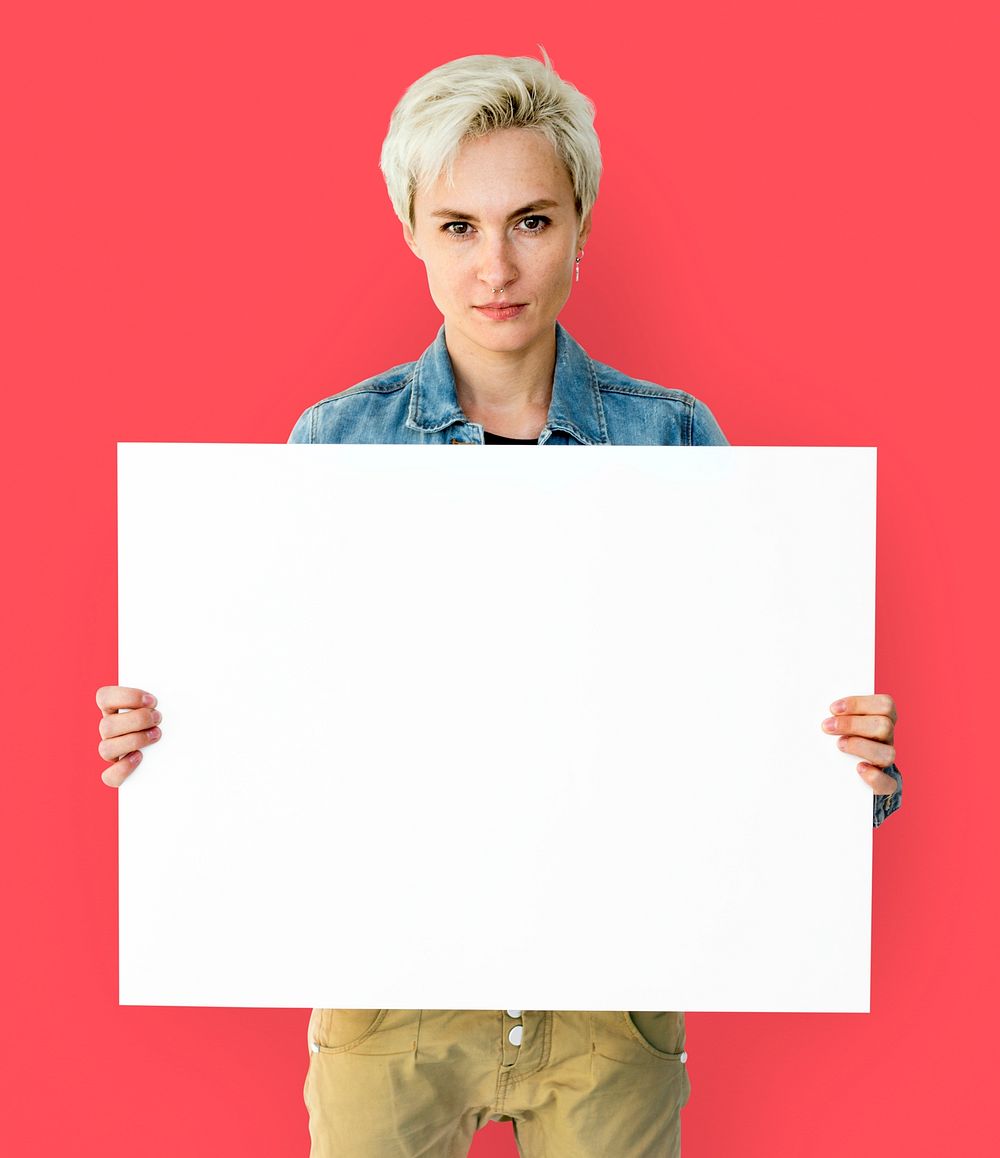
(497, 267)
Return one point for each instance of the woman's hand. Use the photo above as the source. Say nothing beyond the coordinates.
(865, 725)
(124, 733)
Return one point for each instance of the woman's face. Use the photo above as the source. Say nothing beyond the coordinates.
(509, 220)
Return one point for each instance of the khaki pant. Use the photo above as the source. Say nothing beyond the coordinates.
(418, 1083)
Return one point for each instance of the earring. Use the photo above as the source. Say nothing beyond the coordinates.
(578, 256)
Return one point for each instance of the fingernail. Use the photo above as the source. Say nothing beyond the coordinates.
(839, 706)
(156, 716)
(148, 700)
(136, 757)
(830, 724)
(842, 742)
(154, 733)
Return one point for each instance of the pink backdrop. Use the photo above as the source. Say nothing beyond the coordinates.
(798, 224)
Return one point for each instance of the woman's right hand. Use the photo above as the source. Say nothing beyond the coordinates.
(124, 733)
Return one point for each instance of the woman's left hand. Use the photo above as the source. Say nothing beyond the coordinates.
(865, 725)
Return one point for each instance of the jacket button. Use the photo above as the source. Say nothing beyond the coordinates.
(515, 1035)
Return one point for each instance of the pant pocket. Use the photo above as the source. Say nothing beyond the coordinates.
(363, 1031)
(617, 1036)
(661, 1031)
(340, 1029)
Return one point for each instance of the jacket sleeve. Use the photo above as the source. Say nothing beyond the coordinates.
(302, 430)
(705, 431)
(886, 805)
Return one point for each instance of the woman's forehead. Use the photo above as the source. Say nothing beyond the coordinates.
(504, 171)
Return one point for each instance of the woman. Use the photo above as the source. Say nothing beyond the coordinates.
(492, 165)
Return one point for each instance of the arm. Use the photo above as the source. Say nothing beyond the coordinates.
(705, 431)
(302, 430)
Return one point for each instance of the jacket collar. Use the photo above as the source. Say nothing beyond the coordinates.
(576, 400)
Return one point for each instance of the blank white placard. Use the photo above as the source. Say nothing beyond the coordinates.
(510, 728)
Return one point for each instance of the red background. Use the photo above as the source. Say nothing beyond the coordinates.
(797, 224)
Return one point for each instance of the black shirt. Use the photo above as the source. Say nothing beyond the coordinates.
(488, 436)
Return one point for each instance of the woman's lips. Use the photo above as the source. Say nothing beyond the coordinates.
(501, 313)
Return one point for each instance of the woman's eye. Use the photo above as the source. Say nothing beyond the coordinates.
(464, 229)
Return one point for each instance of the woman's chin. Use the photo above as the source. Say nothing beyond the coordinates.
(508, 332)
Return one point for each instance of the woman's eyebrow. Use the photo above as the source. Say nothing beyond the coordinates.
(532, 208)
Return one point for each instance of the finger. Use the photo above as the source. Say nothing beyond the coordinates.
(877, 705)
(881, 783)
(881, 755)
(122, 723)
(122, 745)
(110, 699)
(116, 775)
(874, 727)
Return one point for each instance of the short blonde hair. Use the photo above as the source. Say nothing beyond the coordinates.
(477, 95)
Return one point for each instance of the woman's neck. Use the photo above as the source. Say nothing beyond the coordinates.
(506, 391)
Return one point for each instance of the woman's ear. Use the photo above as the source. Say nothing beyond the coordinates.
(584, 231)
(410, 240)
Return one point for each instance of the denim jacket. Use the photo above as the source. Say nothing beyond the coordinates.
(591, 403)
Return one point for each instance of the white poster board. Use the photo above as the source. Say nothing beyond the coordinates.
(448, 729)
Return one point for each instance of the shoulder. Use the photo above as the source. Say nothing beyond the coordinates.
(338, 416)
(666, 414)
(612, 381)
